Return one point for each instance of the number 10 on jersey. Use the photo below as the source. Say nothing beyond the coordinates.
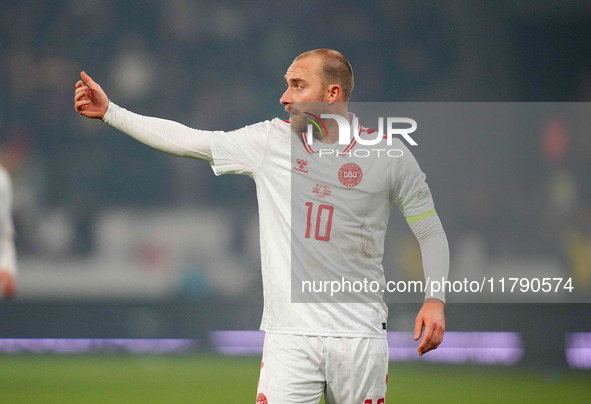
(323, 219)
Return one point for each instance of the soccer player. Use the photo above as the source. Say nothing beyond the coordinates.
(7, 250)
(339, 349)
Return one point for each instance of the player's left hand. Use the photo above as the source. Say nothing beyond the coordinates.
(8, 284)
(432, 318)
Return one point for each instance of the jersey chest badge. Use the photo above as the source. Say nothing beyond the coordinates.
(350, 175)
(301, 165)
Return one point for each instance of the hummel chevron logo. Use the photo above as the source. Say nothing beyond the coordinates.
(301, 164)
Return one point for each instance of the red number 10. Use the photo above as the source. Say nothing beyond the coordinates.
(319, 217)
(370, 401)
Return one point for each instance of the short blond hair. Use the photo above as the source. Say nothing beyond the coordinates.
(336, 69)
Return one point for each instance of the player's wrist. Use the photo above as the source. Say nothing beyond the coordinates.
(111, 106)
(434, 300)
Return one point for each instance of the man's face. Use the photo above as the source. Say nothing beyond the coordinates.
(304, 84)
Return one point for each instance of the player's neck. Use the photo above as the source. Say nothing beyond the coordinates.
(332, 129)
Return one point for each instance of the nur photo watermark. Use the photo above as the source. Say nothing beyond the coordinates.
(517, 233)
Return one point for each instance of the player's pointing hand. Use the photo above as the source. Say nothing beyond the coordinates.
(89, 99)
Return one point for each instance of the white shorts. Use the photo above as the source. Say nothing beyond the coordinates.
(299, 368)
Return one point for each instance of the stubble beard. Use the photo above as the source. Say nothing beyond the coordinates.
(304, 111)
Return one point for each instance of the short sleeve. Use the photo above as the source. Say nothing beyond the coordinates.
(239, 151)
(410, 191)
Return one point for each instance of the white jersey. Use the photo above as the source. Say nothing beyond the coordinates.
(321, 214)
(7, 254)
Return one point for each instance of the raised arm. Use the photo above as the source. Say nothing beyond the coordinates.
(171, 137)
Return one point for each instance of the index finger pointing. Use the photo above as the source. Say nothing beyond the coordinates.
(86, 78)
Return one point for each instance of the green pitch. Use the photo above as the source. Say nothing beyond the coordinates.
(127, 379)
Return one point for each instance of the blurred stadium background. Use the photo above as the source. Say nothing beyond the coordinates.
(144, 269)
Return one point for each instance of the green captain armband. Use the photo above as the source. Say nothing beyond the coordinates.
(413, 219)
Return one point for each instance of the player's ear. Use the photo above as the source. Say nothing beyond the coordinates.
(334, 92)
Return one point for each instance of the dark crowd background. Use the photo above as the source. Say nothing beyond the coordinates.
(220, 65)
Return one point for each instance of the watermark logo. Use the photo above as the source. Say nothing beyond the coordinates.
(350, 175)
(317, 122)
(345, 129)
